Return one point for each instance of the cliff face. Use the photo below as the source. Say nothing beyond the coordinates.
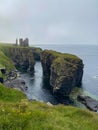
(22, 57)
(64, 71)
(36, 53)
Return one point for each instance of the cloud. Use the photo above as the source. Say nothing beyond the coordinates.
(51, 21)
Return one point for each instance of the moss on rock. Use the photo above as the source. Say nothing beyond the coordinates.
(23, 57)
(64, 71)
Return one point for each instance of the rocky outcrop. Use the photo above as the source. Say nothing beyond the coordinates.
(64, 71)
(13, 81)
(90, 103)
(2, 72)
(16, 83)
(12, 75)
(23, 58)
(36, 53)
(1, 80)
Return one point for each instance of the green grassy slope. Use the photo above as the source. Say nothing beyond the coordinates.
(5, 62)
(26, 115)
(10, 95)
(17, 113)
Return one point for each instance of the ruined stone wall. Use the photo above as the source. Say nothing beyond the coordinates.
(24, 43)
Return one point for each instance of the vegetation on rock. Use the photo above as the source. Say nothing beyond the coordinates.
(64, 71)
(5, 62)
(22, 57)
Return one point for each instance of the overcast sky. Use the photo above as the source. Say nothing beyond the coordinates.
(49, 21)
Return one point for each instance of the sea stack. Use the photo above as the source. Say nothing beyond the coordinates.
(64, 71)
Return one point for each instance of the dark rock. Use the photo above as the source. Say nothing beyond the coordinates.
(89, 102)
(64, 71)
(23, 58)
(16, 83)
(1, 80)
(11, 75)
(36, 56)
(36, 53)
(3, 71)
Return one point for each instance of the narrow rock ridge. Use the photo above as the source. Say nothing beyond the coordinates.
(64, 71)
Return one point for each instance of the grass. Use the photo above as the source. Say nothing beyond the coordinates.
(61, 58)
(5, 62)
(5, 48)
(26, 115)
(62, 55)
(10, 95)
(17, 113)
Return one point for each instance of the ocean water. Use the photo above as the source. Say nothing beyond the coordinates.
(88, 53)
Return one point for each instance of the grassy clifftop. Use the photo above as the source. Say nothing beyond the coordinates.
(6, 47)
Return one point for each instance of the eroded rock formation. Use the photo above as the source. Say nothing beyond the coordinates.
(16, 83)
(89, 102)
(23, 58)
(64, 71)
(36, 53)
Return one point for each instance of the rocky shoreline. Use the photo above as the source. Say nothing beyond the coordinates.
(89, 102)
(13, 81)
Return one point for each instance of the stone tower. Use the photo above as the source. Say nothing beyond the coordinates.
(16, 42)
(26, 42)
(21, 42)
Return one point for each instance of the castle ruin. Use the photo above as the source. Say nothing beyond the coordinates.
(24, 43)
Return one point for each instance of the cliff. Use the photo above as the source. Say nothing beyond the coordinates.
(64, 71)
(36, 53)
(23, 57)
